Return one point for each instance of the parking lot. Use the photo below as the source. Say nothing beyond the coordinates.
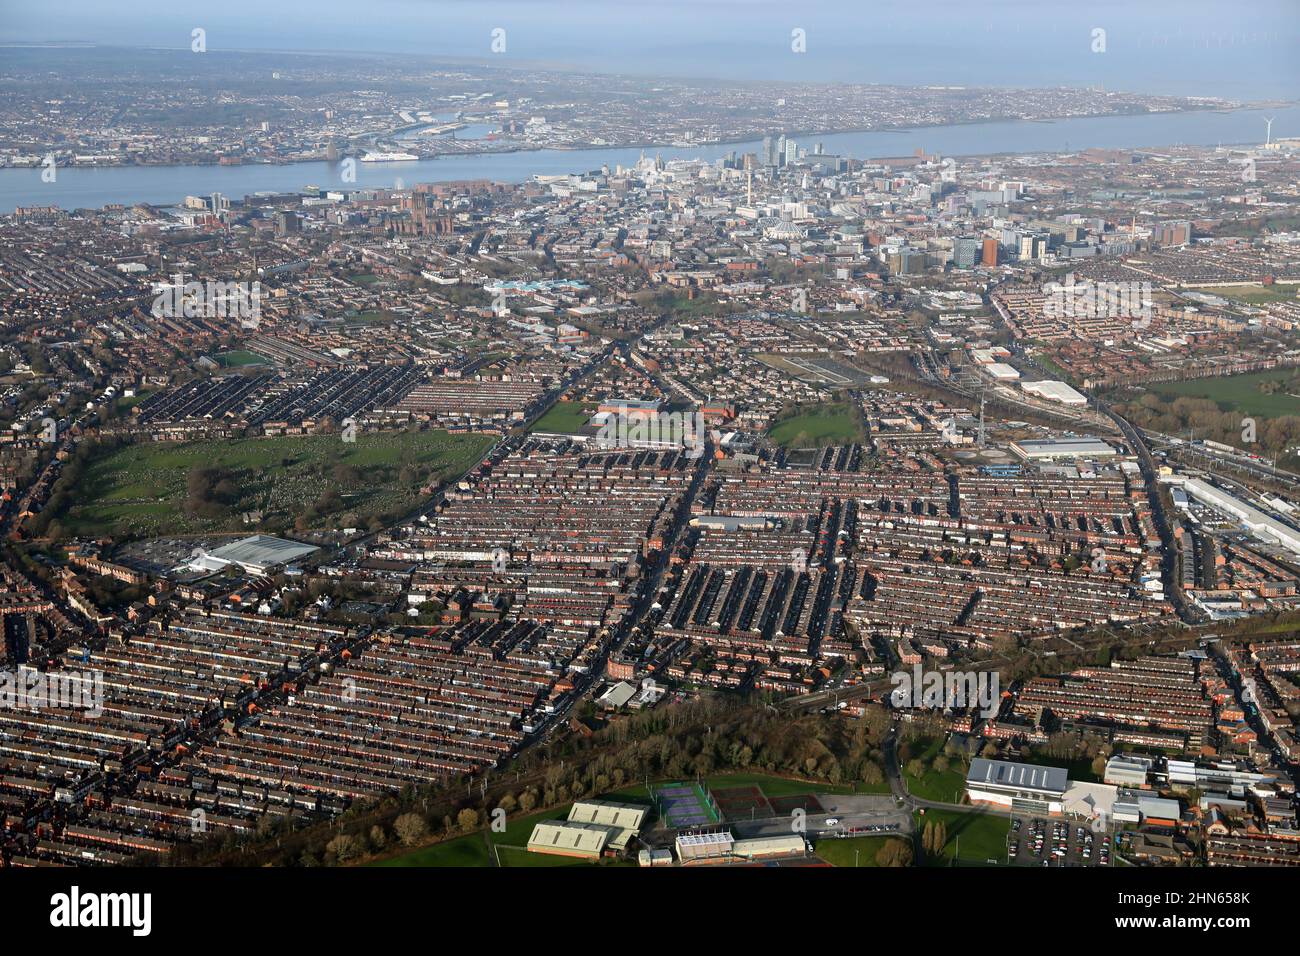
(1043, 841)
(839, 816)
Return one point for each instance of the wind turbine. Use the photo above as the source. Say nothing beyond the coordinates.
(1268, 138)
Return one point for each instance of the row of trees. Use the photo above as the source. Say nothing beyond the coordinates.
(1268, 436)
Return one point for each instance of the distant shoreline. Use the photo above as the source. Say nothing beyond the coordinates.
(163, 185)
(712, 144)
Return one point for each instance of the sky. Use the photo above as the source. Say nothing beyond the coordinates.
(1242, 49)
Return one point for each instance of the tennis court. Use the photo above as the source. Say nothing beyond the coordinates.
(742, 803)
(685, 805)
(787, 805)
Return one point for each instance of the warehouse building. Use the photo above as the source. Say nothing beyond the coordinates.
(1055, 392)
(1159, 811)
(1017, 786)
(1002, 371)
(256, 554)
(1050, 449)
(1235, 778)
(1252, 519)
(1126, 808)
(768, 847)
(1127, 771)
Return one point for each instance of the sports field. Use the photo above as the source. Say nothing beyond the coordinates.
(563, 417)
(240, 358)
(144, 488)
(1243, 393)
(685, 805)
(972, 837)
(1259, 294)
(469, 850)
(831, 424)
(842, 852)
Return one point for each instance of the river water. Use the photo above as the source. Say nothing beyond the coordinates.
(86, 187)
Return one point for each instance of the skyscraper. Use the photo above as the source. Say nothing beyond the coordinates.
(965, 250)
(990, 257)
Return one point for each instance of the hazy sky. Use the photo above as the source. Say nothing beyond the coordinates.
(1246, 48)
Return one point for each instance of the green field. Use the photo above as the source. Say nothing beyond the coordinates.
(1253, 294)
(143, 488)
(777, 786)
(469, 850)
(240, 358)
(831, 424)
(371, 317)
(981, 836)
(564, 418)
(945, 787)
(1241, 393)
(840, 852)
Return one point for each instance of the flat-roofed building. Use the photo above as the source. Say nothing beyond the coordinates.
(568, 838)
(1159, 810)
(1090, 801)
(1019, 786)
(770, 846)
(1255, 521)
(1051, 448)
(626, 819)
(1127, 771)
(1055, 392)
(700, 847)
(255, 554)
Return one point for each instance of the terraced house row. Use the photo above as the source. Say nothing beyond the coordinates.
(405, 708)
(77, 786)
(1162, 694)
(942, 557)
(550, 504)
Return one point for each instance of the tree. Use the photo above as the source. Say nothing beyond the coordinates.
(344, 847)
(467, 819)
(411, 829)
(895, 853)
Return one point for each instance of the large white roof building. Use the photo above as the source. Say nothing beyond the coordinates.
(1018, 786)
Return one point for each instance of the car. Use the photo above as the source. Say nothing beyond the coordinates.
(832, 821)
